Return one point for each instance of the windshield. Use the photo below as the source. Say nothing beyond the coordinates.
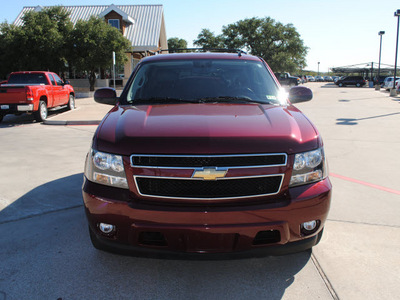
(203, 80)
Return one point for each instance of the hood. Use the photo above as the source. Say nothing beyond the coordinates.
(206, 128)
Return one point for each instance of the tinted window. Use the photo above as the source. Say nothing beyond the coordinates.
(58, 79)
(203, 79)
(53, 81)
(28, 79)
(114, 23)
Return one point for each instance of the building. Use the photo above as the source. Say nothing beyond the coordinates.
(142, 25)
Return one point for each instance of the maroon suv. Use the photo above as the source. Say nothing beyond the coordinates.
(204, 153)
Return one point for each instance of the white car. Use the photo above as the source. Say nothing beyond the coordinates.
(388, 82)
(310, 78)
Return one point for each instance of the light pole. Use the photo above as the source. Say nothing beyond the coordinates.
(393, 90)
(377, 86)
(318, 68)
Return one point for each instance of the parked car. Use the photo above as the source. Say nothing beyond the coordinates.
(310, 78)
(358, 81)
(303, 78)
(388, 82)
(328, 78)
(287, 79)
(34, 93)
(319, 78)
(198, 156)
(397, 85)
(379, 80)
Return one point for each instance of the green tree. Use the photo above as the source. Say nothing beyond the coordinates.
(11, 38)
(92, 43)
(207, 40)
(176, 43)
(39, 44)
(44, 34)
(278, 44)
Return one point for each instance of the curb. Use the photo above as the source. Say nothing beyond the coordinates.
(71, 123)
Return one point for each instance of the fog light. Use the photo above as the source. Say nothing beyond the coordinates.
(309, 226)
(106, 228)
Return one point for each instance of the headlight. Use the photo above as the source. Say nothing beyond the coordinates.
(105, 168)
(309, 167)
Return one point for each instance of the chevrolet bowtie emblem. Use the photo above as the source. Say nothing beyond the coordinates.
(209, 173)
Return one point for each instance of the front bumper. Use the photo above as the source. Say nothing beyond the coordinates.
(269, 228)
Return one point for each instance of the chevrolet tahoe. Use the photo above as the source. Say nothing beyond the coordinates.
(205, 154)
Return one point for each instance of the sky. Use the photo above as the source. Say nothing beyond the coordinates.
(337, 32)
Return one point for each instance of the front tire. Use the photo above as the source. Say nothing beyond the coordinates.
(42, 112)
(71, 102)
(358, 84)
(1, 118)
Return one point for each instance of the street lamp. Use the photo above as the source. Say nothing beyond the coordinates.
(318, 68)
(393, 90)
(377, 86)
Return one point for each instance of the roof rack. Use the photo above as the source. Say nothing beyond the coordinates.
(195, 50)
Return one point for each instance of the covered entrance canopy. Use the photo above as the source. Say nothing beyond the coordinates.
(368, 70)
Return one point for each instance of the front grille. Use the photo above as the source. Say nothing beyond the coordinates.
(196, 161)
(203, 189)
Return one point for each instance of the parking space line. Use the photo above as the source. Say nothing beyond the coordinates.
(375, 186)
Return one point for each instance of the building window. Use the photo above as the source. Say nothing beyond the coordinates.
(114, 23)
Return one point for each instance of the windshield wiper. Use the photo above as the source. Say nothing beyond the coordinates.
(232, 99)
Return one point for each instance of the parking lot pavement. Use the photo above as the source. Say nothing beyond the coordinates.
(87, 112)
(361, 131)
(46, 252)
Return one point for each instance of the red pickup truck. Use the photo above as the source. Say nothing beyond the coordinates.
(34, 92)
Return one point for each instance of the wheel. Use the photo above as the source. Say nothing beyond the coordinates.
(341, 84)
(71, 102)
(41, 114)
(1, 118)
(358, 84)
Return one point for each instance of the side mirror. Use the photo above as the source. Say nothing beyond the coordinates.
(300, 94)
(106, 96)
(66, 82)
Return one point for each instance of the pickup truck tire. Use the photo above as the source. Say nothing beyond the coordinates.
(71, 102)
(42, 112)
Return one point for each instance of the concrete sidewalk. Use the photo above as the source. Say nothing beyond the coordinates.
(86, 112)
